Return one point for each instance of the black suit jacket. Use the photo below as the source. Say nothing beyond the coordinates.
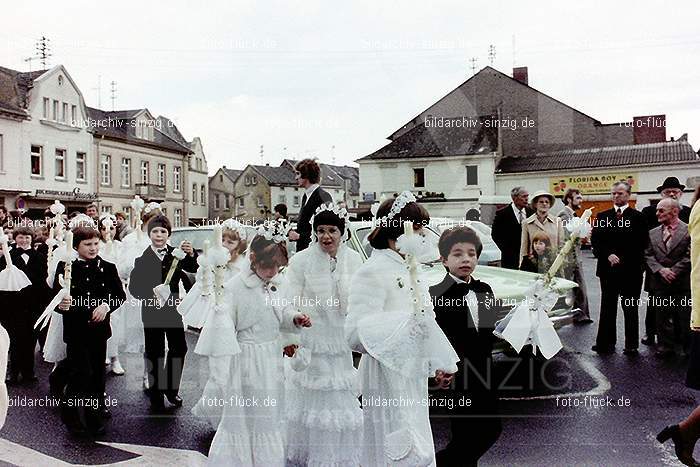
(652, 222)
(150, 272)
(92, 283)
(626, 238)
(317, 198)
(507, 233)
(33, 296)
(473, 346)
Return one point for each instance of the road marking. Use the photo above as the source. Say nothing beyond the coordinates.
(152, 455)
(602, 383)
(17, 454)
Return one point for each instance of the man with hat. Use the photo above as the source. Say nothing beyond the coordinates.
(671, 188)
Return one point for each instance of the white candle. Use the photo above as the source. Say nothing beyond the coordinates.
(69, 240)
(218, 239)
(408, 228)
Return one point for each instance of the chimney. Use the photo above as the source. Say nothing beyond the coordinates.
(649, 129)
(520, 74)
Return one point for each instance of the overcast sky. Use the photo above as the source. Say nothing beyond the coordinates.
(312, 75)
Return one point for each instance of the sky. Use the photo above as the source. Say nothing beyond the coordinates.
(333, 79)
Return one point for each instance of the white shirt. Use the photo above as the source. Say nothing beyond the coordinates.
(310, 189)
(471, 300)
(521, 211)
(621, 208)
(159, 254)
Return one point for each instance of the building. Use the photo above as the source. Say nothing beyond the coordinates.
(137, 157)
(46, 149)
(221, 193)
(466, 151)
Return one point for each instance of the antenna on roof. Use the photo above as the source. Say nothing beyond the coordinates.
(333, 154)
(262, 155)
(473, 61)
(492, 54)
(43, 50)
(113, 92)
(99, 91)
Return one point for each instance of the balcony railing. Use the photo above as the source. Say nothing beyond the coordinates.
(150, 192)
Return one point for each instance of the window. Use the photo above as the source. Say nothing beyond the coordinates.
(418, 178)
(178, 217)
(199, 164)
(61, 163)
(106, 209)
(296, 201)
(164, 211)
(36, 160)
(74, 115)
(261, 203)
(64, 112)
(281, 199)
(227, 201)
(161, 174)
(55, 110)
(46, 107)
(127, 210)
(217, 205)
(247, 179)
(472, 175)
(203, 195)
(106, 169)
(194, 193)
(254, 180)
(126, 172)
(144, 172)
(241, 202)
(176, 179)
(221, 178)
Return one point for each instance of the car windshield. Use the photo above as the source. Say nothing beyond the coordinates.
(195, 236)
(432, 237)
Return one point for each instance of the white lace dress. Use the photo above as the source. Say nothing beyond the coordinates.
(323, 411)
(400, 351)
(131, 329)
(214, 390)
(252, 428)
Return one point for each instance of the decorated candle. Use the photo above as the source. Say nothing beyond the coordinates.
(218, 239)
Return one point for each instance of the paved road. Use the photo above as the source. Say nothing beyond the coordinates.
(539, 429)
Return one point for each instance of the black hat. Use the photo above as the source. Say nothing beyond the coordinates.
(159, 221)
(670, 182)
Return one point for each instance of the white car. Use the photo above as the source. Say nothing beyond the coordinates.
(490, 254)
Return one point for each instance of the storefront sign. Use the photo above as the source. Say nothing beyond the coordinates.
(75, 195)
(591, 184)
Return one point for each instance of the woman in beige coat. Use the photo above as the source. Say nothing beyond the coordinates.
(541, 221)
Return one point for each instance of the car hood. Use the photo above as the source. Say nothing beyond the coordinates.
(506, 283)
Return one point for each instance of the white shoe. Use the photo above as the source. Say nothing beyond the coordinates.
(117, 368)
(145, 383)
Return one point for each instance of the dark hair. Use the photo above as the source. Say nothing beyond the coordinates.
(23, 230)
(81, 233)
(541, 237)
(150, 215)
(326, 217)
(3, 209)
(309, 169)
(393, 228)
(121, 214)
(267, 253)
(461, 234)
(281, 209)
(235, 236)
(91, 205)
(569, 195)
(159, 221)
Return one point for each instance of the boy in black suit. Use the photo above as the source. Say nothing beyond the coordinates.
(95, 291)
(150, 270)
(23, 308)
(463, 309)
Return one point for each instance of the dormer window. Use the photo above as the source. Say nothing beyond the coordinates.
(60, 80)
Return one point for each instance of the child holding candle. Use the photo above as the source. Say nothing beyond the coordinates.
(94, 290)
(158, 265)
(391, 322)
(253, 434)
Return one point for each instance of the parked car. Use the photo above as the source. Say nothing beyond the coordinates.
(508, 285)
(490, 255)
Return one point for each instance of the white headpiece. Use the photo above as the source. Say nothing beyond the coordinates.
(399, 203)
(57, 208)
(151, 206)
(339, 211)
(82, 220)
(274, 230)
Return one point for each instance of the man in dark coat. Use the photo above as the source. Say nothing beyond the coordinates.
(463, 309)
(308, 176)
(671, 188)
(151, 270)
(507, 227)
(619, 239)
(96, 291)
(21, 309)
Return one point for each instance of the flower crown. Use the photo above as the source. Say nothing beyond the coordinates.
(399, 203)
(339, 211)
(274, 230)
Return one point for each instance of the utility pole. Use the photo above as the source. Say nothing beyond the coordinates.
(492, 54)
(113, 92)
(473, 61)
